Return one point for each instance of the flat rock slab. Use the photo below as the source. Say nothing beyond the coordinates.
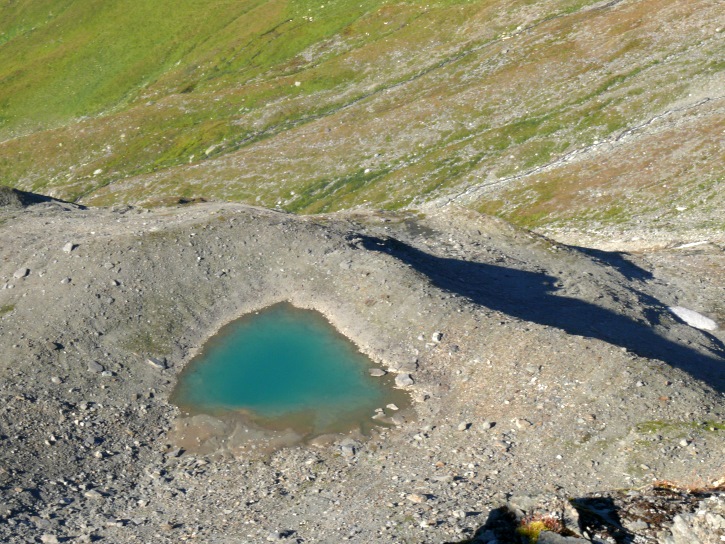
(694, 319)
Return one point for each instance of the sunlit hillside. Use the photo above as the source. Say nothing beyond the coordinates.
(543, 112)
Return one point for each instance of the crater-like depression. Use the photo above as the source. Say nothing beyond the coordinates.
(276, 377)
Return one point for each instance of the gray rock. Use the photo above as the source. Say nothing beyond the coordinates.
(70, 246)
(158, 364)
(437, 336)
(486, 425)
(402, 380)
(93, 494)
(49, 539)
(377, 372)
(21, 273)
(706, 525)
(463, 426)
(95, 367)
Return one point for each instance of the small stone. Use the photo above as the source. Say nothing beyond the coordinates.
(158, 364)
(65, 281)
(463, 426)
(522, 423)
(486, 425)
(392, 406)
(70, 246)
(402, 380)
(56, 380)
(377, 372)
(92, 494)
(437, 336)
(417, 498)
(21, 273)
(637, 525)
(49, 539)
(640, 384)
(95, 367)
(347, 450)
(684, 442)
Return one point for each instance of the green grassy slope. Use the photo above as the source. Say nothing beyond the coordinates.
(527, 109)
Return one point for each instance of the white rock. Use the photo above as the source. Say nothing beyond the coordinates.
(437, 336)
(693, 319)
(21, 273)
(70, 246)
(377, 372)
(49, 539)
(401, 380)
(98, 172)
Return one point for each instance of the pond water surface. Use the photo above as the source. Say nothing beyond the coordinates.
(285, 369)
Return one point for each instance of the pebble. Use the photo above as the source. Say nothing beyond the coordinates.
(486, 425)
(65, 281)
(49, 539)
(437, 336)
(95, 367)
(522, 423)
(70, 246)
(21, 273)
(417, 498)
(401, 380)
(377, 372)
(92, 494)
(156, 363)
(463, 426)
(392, 406)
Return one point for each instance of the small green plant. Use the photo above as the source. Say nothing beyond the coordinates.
(532, 526)
(6, 309)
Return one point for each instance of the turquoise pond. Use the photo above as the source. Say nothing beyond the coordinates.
(284, 367)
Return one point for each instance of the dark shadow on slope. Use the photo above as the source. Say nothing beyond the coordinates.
(616, 260)
(15, 198)
(599, 515)
(530, 296)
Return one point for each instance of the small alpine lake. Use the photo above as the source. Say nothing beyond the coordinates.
(279, 376)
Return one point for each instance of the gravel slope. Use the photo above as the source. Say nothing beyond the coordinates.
(558, 370)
